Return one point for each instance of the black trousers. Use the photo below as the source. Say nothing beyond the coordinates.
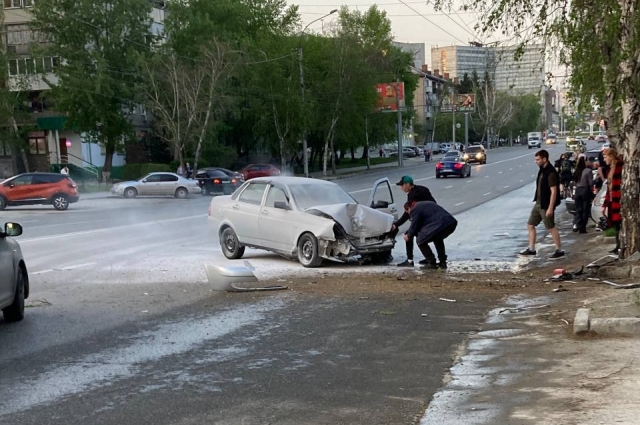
(426, 251)
(583, 208)
(438, 242)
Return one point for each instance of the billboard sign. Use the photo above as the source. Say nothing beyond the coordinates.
(459, 103)
(386, 101)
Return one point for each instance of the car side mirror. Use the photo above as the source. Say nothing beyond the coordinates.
(12, 229)
(144, 181)
(281, 205)
(380, 204)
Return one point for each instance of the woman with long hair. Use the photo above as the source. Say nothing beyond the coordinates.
(583, 178)
(612, 200)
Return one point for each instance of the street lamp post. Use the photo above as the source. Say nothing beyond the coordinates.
(305, 154)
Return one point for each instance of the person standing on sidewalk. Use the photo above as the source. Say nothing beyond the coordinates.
(430, 223)
(547, 198)
(583, 178)
(613, 198)
(415, 193)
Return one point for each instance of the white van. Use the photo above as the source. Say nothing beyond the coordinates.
(534, 139)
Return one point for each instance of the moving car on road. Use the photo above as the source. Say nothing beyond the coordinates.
(14, 280)
(551, 140)
(574, 144)
(259, 170)
(534, 139)
(475, 153)
(39, 189)
(307, 219)
(157, 184)
(407, 152)
(452, 164)
(218, 181)
(602, 138)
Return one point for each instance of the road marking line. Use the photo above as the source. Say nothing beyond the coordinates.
(469, 181)
(66, 224)
(448, 187)
(488, 193)
(520, 181)
(506, 187)
(510, 169)
(486, 177)
(457, 205)
(107, 229)
(499, 172)
(77, 266)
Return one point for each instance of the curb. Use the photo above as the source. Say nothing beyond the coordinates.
(602, 326)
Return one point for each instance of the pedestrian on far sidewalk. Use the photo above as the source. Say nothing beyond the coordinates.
(583, 178)
(547, 198)
(415, 193)
(430, 223)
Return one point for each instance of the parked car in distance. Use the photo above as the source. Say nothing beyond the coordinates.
(452, 164)
(14, 280)
(534, 139)
(407, 152)
(475, 153)
(308, 219)
(259, 170)
(218, 181)
(602, 138)
(54, 189)
(445, 147)
(157, 184)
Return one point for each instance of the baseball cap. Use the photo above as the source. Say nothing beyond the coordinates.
(405, 180)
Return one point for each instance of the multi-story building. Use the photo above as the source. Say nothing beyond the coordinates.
(50, 143)
(417, 50)
(425, 100)
(459, 60)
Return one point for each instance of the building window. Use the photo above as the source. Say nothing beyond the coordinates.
(17, 3)
(37, 143)
(32, 66)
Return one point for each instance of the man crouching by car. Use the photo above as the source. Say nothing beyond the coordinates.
(430, 223)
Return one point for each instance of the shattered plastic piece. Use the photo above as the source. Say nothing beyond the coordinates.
(603, 261)
(565, 321)
(560, 290)
(225, 278)
(424, 314)
(518, 309)
(447, 300)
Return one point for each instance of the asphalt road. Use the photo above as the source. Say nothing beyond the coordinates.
(123, 326)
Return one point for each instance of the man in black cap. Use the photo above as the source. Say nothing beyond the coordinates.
(415, 193)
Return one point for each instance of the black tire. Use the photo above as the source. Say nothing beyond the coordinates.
(15, 312)
(230, 245)
(181, 193)
(308, 251)
(438, 176)
(60, 202)
(205, 191)
(130, 192)
(3, 203)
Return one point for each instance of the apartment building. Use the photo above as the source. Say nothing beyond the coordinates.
(459, 60)
(50, 144)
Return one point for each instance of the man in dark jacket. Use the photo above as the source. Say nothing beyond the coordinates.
(547, 198)
(430, 223)
(415, 193)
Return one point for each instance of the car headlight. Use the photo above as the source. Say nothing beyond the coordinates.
(478, 155)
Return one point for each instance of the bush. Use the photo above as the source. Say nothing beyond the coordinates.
(135, 171)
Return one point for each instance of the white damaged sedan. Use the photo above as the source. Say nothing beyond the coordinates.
(307, 219)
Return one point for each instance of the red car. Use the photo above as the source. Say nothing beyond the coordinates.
(39, 189)
(259, 170)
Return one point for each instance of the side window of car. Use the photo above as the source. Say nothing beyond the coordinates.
(23, 180)
(168, 178)
(253, 194)
(155, 178)
(275, 195)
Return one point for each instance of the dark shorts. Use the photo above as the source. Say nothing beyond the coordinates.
(539, 214)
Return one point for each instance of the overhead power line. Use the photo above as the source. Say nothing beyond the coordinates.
(431, 22)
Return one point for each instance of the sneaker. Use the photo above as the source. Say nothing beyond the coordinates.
(427, 261)
(528, 251)
(408, 263)
(558, 254)
(429, 266)
(441, 266)
(614, 251)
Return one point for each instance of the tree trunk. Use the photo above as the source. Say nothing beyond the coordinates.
(333, 156)
(630, 150)
(327, 139)
(23, 154)
(283, 157)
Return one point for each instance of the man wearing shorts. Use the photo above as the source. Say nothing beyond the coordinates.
(547, 198)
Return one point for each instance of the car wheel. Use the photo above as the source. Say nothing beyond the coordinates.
(181, 193)
(3, 203)
(438, 176)
(308, 251)
(60, 202)
(205, 191)
(130, 192)
(15, 312)
(230, 245)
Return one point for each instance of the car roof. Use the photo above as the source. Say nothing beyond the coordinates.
(290, 181)
(164, 172)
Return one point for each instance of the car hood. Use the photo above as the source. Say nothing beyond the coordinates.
(127, 183)
(357, 220)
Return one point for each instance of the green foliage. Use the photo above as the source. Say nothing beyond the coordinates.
(135, 171)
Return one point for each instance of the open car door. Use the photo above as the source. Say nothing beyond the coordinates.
(381, 198)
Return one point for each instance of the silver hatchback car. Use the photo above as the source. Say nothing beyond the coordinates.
(14, 280)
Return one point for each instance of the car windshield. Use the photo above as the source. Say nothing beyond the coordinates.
(473, 149)
(311, 195)
(451, 154)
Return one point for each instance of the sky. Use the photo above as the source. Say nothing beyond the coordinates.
(412, 22)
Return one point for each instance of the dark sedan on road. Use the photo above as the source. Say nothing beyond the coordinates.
(452, 164)
(475, 153)
(218, 181)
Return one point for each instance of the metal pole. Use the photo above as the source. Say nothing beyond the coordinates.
(453, 126)
(305, 154)
(366, 141)
(466, 129)
(400, 153)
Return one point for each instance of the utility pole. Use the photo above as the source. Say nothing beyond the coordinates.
(366, 141)
(466, 129)
(400, 152)
(453, 125)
